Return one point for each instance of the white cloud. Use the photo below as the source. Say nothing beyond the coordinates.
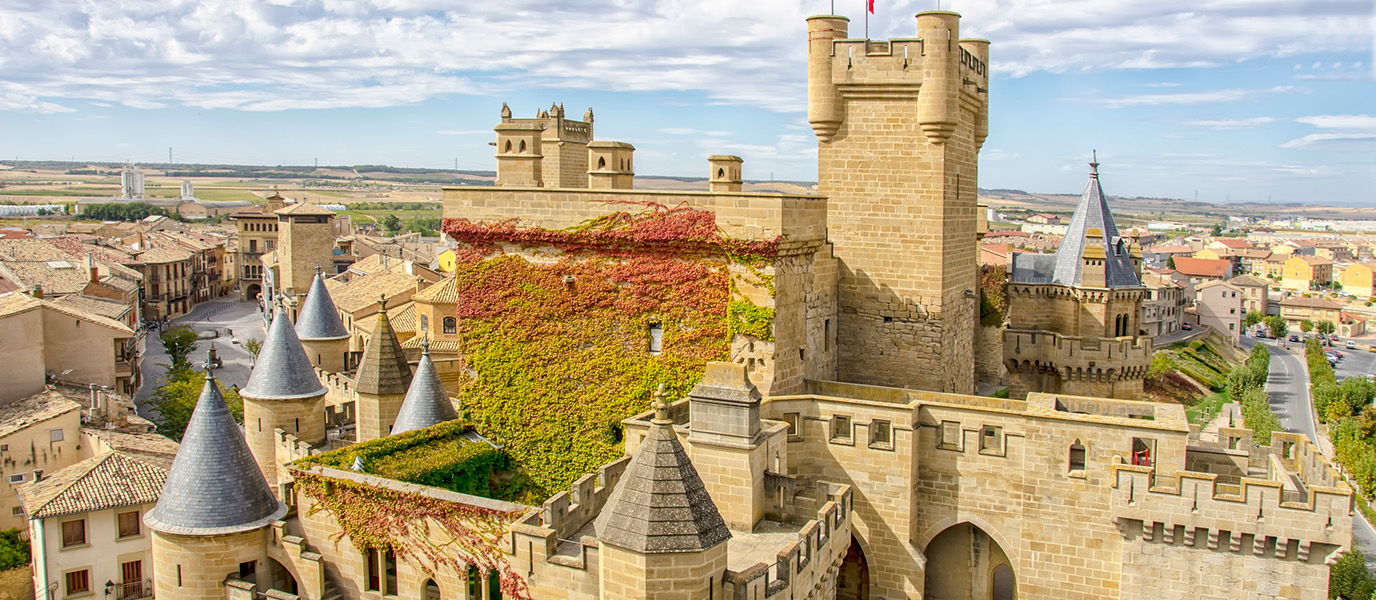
(1340, 121)
(1358, 141)
(1205, 97)
(276, 55)
(1225, 124)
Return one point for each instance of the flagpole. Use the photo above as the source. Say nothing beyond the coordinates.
(867, 22)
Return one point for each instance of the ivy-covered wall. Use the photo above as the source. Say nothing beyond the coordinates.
(556, 327)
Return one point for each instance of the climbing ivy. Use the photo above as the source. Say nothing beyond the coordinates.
(437, 457)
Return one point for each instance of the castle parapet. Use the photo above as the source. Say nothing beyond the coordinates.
(802, 563)
(1077, 357)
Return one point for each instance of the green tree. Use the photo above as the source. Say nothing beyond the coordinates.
(14, 550)
(180, 342)
(392, 224)
(1326, 327)
(1217, 231)
(1306, 326)
(1170, 262)
(1349, 578)
(253, 345)
(1252, 318)
(174, 401)
(1277, 326)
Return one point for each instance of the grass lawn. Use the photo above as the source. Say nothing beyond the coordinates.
(1207, 409)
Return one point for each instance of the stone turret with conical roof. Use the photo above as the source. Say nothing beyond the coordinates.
(427, 402)
(283, 392)
(214, 511)
(320, 329)
(660, 530)
(381, 381)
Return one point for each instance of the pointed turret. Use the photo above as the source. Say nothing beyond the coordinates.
(661, 505)
(1092, 241)
(214, 486)
(382, 380)
(283, 392)
(322, 333)
(427, 402)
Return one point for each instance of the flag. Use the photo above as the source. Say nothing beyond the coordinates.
(871, 3)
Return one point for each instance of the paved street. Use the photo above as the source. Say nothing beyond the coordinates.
(222, 315)
(1288, 388)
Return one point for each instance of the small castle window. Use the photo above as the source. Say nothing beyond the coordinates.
(881, 435)
(793, 420)
(656, 338)
(991, 439)
(950, 436)
(840, 429)
(601, 162)
(508, 146)
(523, 146)
(826, 334)
(1077, 456)
(721, 173)
(424, 323)
(451, 325)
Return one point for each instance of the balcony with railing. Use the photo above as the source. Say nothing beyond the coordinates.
(129, 590)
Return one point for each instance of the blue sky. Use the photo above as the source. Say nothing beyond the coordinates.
(1237, 100)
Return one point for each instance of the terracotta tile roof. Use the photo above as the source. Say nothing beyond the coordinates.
(40, 407)
(1250, 280)
(436, 346)
(447, 290)
(1233, 243)
(109, 309)
(16, 303)
(1302, 302)
(38, 262)
(162, 254)
(151, 447)
(303, 208)
(360, 292)
(1171, 249)
(402, 317)
(1201, 267)
(111, 480)
(1315, 261)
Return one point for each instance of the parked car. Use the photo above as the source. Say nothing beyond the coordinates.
(1351, 345)
(1186, 326)
(1294, 338)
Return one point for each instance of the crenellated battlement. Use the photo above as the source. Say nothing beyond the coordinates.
(567, 512)
(805, 562)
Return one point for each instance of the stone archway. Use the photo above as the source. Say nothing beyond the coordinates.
(282, 579)
(254, 290)
(965, 563)
(853, 581)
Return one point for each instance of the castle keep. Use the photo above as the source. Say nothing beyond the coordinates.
(738, 395)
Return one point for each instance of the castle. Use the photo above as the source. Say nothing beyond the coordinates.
(814, 433)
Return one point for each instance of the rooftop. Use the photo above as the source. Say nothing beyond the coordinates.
(360, 292)
(450, 456)
(110, 480)
(1300, 301)
(1202, 267)
(25, 412)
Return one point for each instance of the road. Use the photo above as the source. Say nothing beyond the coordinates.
(1288, 388)
(222, 315)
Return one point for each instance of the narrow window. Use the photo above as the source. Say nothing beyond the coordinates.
(298, 425)
(792, 420)
(451, 325)
(1077, 456)
(424, 323)
(494, 585)
(390, 568)
(840, 428)
(372, 557)
(656, 338)
(179, 576)
(881, 434)
(826, 333)
(474, 580)
(55, 435)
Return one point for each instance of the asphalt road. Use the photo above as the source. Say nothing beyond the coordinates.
(222, 316)
(1288, 388)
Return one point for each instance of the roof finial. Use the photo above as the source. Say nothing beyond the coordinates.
(425, 344)
(1094, 163)
(212, 362)
(382, 300)
(317, 267)
(661, 406)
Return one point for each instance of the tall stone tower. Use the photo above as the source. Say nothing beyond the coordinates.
(305, 240)
(381, 382)
(214, 511)
(563, 151)
(1074, 316)
(320, 329)
(283, 392)
(899, 126)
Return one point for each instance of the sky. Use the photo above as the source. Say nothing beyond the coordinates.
(1223, 100)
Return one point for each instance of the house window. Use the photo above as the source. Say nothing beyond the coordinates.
(17, 511)
(78, 582)
(656, 338)
(1077, 456)
(38, 474)
(55, 435)
(451, 325)
(129, 524)
(792, 419)
(840, 429)
(950, 435)
(881, 434)
(74, 533)
(991, 439)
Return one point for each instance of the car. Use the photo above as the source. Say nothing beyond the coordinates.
(1333, 338)
(1294, 338)
(1340, 355)
(1186, 326)
(1351, 345)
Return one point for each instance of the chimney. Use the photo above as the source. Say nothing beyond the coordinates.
(91, 269)
(37, 292)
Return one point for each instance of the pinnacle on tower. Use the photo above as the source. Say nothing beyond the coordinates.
(427, 402)
(661, 505)
(318, 318)
(282, 370)
(214, 486)
(383, 370)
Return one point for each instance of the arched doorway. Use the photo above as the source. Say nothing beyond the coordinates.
(282, 579)
(254, 290)
(853, 582)
(965, 563)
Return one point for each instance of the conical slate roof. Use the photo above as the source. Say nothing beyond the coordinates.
(214, 487)
(318, 319)
(282, 370)
(660, 505)
(383, 370)
(427, 403)
(1093, 224)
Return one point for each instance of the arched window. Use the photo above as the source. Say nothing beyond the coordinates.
(451, 325)
(601, 162)
(523, 146)
(431, 590)
(508, 147)
(721, 173)
(1077, 456)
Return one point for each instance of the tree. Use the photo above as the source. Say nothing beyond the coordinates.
(1252, 318)
(174, 401)
(1277, 326)
(1348, 578)
(14, 550)
(1170, 262)
(43, 212)
(253, 345)
(1217, 231)
(1326, 327)
(180, 342)
(392, 224)
(1306, 326)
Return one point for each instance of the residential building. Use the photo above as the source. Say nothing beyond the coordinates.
(257, 235)
(1221, 305)
(39, 434)
(1163, 306)
(1200, 270)
(1304, 273)
(1255, 292)
(60, 341)
(1359, 279)
(1297, 309)
(1044, 219)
